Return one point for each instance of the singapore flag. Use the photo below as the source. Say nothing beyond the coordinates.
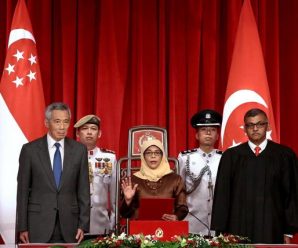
(247, 84)
(21, 112)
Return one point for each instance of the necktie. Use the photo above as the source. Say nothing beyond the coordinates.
(57, 165)
(257, 150)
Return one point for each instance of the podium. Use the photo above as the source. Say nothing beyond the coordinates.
(163, 230)
(295, 239)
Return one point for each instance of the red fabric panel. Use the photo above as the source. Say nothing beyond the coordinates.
(155, 62)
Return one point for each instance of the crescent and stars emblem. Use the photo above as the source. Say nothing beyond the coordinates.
(18, 34)
(145, 137)
(235, 100)
(16, 63)
(159, 233)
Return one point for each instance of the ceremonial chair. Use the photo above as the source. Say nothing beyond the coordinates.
(136, 136)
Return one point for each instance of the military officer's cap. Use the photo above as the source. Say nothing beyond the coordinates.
(206, 117)
(90, 119)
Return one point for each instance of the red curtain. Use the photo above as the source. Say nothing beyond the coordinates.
(155, 62)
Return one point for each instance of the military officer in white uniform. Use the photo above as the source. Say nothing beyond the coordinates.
(198, 168)
(102, 176)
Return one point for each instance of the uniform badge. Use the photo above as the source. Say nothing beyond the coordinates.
(104, 166)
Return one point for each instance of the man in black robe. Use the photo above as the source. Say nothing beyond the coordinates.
(256, 193)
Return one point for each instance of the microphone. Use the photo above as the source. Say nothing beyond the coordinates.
(204, 224)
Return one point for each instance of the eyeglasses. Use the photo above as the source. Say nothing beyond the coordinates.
(257, 125)
(156, 153)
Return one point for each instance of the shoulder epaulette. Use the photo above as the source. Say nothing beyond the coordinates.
(218, 151)
(107, 150)
(188, 151)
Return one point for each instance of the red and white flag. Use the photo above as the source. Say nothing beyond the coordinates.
(247, 84)
(21, 112)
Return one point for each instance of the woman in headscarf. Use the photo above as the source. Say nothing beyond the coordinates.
(155, 179)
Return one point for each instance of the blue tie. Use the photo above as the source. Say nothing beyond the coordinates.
(57, 165)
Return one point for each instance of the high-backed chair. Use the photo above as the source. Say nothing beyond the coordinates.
(136, 136)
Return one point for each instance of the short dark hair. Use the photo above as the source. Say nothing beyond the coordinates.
(254, 112)
(56, 106)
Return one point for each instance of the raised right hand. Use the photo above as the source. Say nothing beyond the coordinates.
(128, 190)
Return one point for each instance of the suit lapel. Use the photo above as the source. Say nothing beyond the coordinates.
(45, 161)
(68, 154)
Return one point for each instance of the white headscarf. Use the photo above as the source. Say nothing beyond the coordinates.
(153, 174)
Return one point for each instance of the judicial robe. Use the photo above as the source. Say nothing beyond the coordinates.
(256, 196)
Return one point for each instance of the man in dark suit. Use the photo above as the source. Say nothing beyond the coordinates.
(53, 194)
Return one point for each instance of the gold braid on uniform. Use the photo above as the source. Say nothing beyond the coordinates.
(90, 172)
(196, 180)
